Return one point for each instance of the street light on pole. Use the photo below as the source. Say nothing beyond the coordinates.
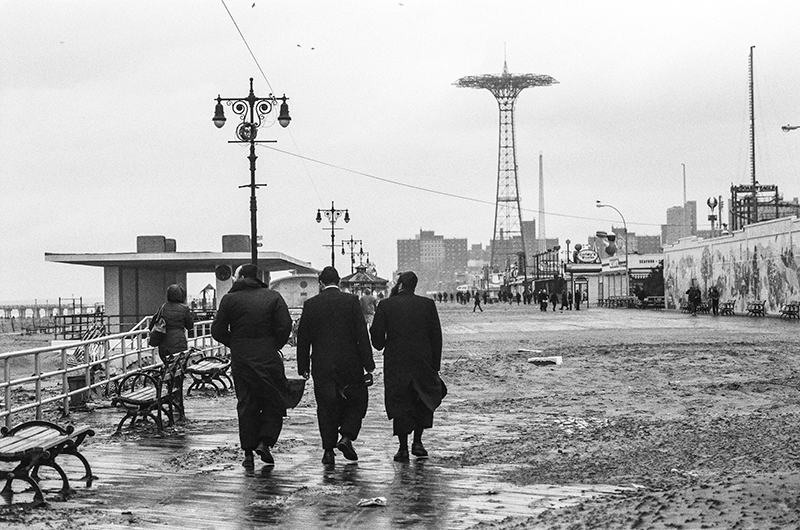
(332, 216)
(352, 244)
(252, 111)
(625, 227)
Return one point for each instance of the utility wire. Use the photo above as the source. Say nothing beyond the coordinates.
(248, 46)
(429, 190)
(375, 177)
(308, 174)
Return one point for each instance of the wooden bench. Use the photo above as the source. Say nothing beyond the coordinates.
(208, 371)
(38, 443)
(727, 308)
(791, 310)
(152, 392)
(756, 308)
(655, 302)
(704, 308)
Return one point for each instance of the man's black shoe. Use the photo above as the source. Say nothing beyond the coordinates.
(263, 451)
(401, 455)
(346, 447)
(248, 460)
(328, 458)
(418, 450)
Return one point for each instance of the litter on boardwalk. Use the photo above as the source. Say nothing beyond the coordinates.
(541, 361)
(375, 501)
(526, 350)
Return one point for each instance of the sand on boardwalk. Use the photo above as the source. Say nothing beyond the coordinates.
(696, 417)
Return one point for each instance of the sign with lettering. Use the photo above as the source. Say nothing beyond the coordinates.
(587, 255)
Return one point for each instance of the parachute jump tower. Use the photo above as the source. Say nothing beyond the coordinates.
(507, 238)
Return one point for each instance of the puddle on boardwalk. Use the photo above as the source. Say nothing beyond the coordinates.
(194, 479)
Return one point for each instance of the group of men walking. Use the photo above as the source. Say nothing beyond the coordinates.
(334, 348)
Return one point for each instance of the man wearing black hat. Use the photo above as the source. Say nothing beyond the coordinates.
(407, 328)
(254, 322)
(332, 340)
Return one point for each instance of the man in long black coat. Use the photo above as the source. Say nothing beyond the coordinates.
(407, 328)
(254, 322)
(332, 340)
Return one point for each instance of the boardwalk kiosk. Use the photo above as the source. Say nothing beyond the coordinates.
(136, 282)
(363, 279)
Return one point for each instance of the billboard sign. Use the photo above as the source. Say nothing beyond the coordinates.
(587, 255)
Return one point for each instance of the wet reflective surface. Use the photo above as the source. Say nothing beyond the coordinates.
(192, 477)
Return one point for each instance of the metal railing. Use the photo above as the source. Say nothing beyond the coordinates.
(35, 379)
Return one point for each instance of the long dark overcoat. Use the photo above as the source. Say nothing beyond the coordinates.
(332, 338)
(332, 332)
(407, 328)
(254, 322)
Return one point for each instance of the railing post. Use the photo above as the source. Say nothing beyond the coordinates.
(37, 371)
(65, 380)
(7, 397)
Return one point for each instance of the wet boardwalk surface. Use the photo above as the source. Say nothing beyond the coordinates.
(192, 477)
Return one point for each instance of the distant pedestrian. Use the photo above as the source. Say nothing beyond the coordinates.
(694, 297)
(554, 299)
(713, 294)
(518, 297)
(368, 305)
(564, 299)
(578, 299)
(477, 302)
(569, 299)
(542, 300)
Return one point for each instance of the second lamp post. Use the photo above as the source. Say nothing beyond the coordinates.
(332, 216)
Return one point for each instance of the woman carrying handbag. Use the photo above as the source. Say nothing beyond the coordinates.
(177, 319)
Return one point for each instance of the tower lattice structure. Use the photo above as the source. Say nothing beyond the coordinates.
(507, 237)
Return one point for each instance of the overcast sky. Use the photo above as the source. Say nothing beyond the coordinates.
(106, 131)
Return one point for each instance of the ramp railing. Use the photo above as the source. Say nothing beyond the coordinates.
(39, 380)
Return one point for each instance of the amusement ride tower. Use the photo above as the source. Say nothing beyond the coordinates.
(507, 238)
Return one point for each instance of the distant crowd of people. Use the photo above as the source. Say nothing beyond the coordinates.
(565, 298)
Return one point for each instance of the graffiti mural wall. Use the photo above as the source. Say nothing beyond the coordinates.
(756, 263)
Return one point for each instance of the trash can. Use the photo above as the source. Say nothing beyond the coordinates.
(76, 382)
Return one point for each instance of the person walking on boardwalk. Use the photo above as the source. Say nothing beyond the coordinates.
(554, 299)
(578, 298)
(368, 305)
(694, 297)
(477, 302)
(333, 345)
(713, 294)
(178, 318)
(254, 322)
(542, 298)
(407, 328)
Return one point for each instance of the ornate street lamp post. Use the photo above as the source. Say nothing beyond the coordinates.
(625, 227)
(352, 245)
(557, 266)
(252, 111)
(332, 216)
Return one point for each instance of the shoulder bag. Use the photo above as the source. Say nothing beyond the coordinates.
(159, 328)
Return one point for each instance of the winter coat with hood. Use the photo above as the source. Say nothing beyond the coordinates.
(178, 318)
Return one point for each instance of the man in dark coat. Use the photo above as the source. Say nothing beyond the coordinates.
(406, 327)
(332, 340)
(254, 322)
